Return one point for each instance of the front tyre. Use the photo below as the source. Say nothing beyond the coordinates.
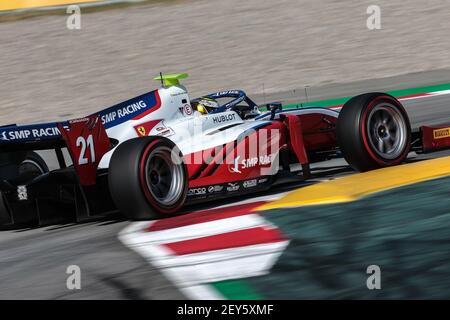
(147, 179)
(373, 131)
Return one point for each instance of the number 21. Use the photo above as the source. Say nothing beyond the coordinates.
(83, 143)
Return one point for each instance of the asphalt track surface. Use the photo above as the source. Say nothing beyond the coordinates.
(33, 262)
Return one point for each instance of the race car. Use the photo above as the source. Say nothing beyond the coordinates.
(151, 155)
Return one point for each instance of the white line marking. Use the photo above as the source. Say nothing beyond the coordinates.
(440, 93)
(199, 230)
(201, 292)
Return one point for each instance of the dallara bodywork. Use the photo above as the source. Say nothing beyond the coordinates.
(150, 155)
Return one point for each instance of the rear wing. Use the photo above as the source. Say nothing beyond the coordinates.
(31, 137)
(86, 140)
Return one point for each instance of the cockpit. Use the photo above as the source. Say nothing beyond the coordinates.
(233, 100)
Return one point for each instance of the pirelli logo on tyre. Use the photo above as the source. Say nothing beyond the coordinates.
(441, 133)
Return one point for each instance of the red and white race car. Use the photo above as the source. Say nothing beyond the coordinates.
(152, 154)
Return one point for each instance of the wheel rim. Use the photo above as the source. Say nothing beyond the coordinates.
(386, 131)
(164, 179)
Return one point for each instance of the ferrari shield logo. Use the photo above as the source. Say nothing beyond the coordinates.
(141, 130)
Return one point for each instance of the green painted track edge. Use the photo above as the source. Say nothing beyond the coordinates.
(236, 290)
(395, 93)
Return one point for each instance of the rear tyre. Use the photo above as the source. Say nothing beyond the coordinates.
(145, 181)
(32, 166)
(5, 218)
(373, 131)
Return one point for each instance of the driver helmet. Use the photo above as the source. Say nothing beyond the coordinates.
(206, 105)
